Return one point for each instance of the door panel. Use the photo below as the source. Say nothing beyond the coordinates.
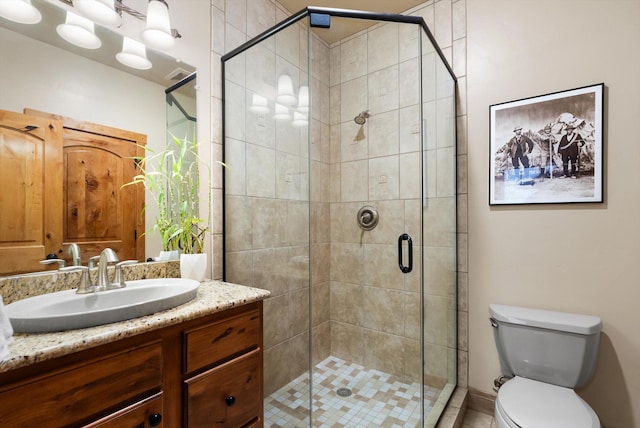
(98, 213)
(31, 196)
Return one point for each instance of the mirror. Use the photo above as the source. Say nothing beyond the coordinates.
(41, 71)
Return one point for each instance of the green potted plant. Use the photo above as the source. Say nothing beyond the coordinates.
(172, 176)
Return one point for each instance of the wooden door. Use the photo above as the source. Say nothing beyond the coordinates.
(31, 195)
(97, 212)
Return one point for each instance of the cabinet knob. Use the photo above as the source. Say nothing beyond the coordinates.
(155, 419)
(230, 400)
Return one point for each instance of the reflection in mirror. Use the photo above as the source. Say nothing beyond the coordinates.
(181, 109)
(65, 82)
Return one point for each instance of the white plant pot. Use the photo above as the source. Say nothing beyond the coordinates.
(168, 255)
(193, 266)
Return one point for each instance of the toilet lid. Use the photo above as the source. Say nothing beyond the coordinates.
(532, 404)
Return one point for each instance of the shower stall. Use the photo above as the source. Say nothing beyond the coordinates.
(340, 199)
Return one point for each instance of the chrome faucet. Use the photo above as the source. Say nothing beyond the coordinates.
(74, 250)
(107, 256)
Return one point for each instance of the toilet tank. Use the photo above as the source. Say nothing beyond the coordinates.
(548, 346)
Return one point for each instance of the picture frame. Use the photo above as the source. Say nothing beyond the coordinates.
(556, 142)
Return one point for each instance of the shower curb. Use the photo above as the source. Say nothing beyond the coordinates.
(455, 409)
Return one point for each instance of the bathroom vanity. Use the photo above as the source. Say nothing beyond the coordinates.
(196, 365)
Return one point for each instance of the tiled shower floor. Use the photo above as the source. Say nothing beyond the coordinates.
(378, 399)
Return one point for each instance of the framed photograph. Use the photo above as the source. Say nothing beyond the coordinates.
(547, 149)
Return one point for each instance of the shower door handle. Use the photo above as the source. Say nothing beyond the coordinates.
(403, 268)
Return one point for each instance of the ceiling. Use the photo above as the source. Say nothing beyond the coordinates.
(342, 28)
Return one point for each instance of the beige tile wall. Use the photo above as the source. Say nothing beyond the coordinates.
(366, 71)
(374, 305)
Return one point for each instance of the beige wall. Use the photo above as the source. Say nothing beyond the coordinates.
(577, 258)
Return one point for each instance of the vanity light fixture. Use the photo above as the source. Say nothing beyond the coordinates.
(133, 54)
(158, 32)
(20, 11)
(259, 104)
(79, 31)
(286, 95)
(99, 11)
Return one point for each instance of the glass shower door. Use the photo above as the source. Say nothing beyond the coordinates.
(267, 206)
(368, 368)
(340, 200)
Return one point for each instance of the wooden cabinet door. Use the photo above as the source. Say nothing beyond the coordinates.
(31, 195)
(97, 212)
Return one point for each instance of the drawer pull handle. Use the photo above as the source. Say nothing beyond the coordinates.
(155, 419)
(230, 400)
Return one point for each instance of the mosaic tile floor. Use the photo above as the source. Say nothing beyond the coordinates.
(378, 399)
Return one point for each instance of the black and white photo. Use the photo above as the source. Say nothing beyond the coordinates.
(547, 149)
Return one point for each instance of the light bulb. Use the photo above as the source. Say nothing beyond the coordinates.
(303, 99)
(286, 95)
(79, 31)
(158, 31)
(299, 119)
(133, 54)
(282, 113)
(259, 104)
(99, 11)
(20, 11)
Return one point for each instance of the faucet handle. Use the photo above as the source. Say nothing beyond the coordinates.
(85, 285)
(118, 281)
(52, 261)
(93, 260)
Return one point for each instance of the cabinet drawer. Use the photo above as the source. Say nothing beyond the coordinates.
(79, 392)
(222, 340)
(228, 396)
(144, 414)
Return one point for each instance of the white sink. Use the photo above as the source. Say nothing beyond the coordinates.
(66, 310)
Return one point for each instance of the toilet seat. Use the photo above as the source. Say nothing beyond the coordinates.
(528, 403)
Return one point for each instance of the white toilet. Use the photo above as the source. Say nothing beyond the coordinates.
(546, 354)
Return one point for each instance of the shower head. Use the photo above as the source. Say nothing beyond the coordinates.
(361, 118)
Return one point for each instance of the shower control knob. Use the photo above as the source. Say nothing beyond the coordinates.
(230, 400)
(367, 218)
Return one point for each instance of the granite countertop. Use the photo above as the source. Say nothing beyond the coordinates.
(213, 296)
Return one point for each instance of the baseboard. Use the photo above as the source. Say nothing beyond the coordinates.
(481, 401)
